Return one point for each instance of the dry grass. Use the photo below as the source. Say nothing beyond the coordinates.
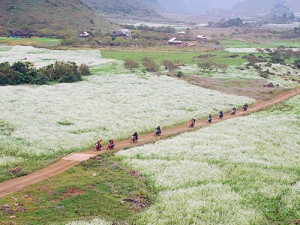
(245, 87)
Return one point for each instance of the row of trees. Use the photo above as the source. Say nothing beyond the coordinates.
(150, 65)
(26, 73)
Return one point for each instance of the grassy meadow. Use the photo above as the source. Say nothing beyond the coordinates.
(97, 188)
(242, 171)
(179, 55)
(30, 41)
(248, 44)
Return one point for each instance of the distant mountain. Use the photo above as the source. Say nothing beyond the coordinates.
(196, 6)
(138, 9)
(263, 7)
(178, 7)
(280, 14)
(50, 17)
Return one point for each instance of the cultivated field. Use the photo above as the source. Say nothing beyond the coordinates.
(42, 57)
(39, 123)
(242, 171)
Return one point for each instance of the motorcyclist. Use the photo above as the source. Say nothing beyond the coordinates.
(158, 131)
(245, 107)
(98, 145)
(135, 136)
(221, 115)
(209, 119)
(192, 122)
(233, 112)
(111, 143)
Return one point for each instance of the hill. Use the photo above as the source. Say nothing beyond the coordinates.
(137, 9)
(50, 17)
(258, 7)
(196, 6)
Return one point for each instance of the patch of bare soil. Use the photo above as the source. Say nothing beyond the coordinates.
(256, 88)
(72, 192)
(136, 174)
(13, 208)
(296, 221)
(136, 203)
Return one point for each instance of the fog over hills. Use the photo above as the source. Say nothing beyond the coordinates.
(241, 7)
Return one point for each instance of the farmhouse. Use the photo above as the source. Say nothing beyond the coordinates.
(84, 34)
(174, 41)
(122, 33)
(21, 34)
(203, 39)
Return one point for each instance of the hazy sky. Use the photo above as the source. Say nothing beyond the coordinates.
(198, 5)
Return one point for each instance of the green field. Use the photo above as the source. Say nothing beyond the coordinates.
(245, 44)
(184, 57)
(98, 187)
(30, 41)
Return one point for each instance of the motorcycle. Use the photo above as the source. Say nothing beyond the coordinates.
(157, 133)
(133, 139)
(191, 124)
(110, 146)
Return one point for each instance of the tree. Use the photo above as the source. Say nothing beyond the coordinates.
(131, 64)
(169, 65)
(205, 65)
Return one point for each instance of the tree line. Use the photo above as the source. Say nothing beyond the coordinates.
(25, 73)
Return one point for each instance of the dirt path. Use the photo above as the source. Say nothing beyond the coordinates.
(69, 161)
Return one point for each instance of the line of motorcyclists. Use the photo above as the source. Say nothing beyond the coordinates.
(134, 138)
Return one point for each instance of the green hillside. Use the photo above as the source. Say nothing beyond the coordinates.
(50, 17)
(138, 9)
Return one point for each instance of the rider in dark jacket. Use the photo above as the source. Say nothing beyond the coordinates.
(221, 115)
(136, 136)
(158, 130)
(209, 119)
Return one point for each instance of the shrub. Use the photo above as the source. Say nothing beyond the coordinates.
(62, 72)
(131, 64)
(169, 65)
(20, 73)
(26, 73)
(84, 70)
(297, 63)
(179, 74)
(150, 65)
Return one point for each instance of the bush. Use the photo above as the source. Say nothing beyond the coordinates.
(169, 65)
(130, 64)
(297, 63)
(20, 73)
(84, 70)
(179, 74)
(62, 72)
(26, 73)
(150, 65)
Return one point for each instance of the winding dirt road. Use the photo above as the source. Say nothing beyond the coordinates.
(69, 161)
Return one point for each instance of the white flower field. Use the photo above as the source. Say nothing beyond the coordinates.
(241, 171)
(43, 57)
(47, 121)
